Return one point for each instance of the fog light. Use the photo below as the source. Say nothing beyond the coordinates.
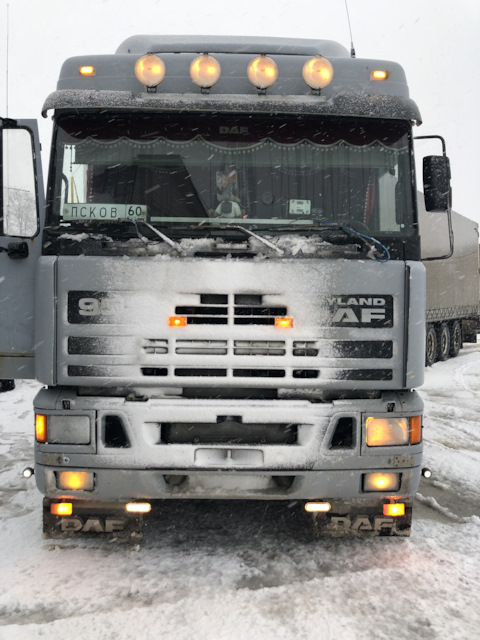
(138, 507)
(75, 480)
(381, 482)
(394, 509)
(61, 508)
(317, 507)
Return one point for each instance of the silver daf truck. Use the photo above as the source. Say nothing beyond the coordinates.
(223, 293)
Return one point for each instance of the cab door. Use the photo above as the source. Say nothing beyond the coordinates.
(21, 216)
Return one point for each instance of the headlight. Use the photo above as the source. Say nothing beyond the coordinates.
(384, 432)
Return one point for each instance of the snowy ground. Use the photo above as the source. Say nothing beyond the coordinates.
(213, 572)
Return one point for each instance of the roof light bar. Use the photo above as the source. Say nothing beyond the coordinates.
(150, 70)
(317, 72)
(262, 72)
(205, 71)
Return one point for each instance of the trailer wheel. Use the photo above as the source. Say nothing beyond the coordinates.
(444, 342)
(455, 338)
(431, 346)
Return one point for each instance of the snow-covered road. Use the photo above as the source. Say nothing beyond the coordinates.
(210, 571)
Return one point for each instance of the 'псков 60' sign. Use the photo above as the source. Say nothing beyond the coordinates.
(105, 212)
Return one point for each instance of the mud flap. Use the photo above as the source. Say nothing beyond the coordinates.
(107, 520)
(361, 519)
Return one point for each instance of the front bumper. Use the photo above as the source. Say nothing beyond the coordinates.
(148, 466)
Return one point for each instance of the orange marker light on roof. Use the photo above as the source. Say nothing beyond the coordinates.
(379, 74)
(284, 323)
(87, 70)
(177, 321)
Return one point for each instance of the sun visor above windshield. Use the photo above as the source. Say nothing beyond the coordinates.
(355, 105)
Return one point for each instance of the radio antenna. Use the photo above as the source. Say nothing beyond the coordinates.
(352, 48)
(7, 43)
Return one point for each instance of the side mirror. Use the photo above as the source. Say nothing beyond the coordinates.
(436, 183)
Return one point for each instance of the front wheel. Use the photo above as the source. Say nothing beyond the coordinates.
(431, 346)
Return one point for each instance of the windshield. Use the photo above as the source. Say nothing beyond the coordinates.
(269, 172)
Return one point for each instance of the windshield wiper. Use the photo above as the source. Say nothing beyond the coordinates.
(161, 235)
(367, 240)
(245, 230)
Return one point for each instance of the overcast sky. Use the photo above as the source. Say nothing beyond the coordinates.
(437, 43)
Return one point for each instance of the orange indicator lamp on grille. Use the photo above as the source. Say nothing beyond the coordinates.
(177, 321)
(284, 323)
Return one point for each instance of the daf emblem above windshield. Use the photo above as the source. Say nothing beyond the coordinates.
(237, 130)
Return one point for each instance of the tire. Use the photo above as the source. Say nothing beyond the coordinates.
(455, 338)
(444, 342)
(7, 385)
(431, 346)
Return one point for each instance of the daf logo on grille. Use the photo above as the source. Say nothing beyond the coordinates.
(360, 311)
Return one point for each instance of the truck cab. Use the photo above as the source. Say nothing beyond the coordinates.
(229, 296)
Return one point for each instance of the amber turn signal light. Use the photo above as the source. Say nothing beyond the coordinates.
(284, 323)
(177, 321)
(41, 428)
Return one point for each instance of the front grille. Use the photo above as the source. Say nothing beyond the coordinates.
(228, 430)
(237, 309)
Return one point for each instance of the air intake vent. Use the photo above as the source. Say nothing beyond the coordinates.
(240, 309)
(114, 434)
(343, 436)
(228, 430)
